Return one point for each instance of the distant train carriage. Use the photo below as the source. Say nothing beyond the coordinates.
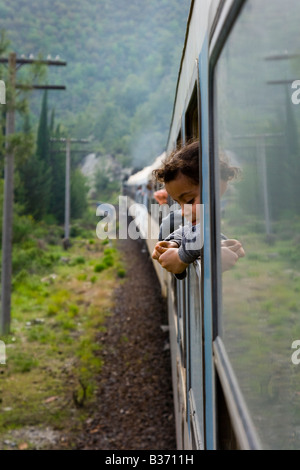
(235, 335)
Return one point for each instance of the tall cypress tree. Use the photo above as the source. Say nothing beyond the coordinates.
(33, 190)
(43, 157)
(43, 131)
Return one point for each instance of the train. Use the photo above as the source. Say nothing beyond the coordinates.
(235, 334)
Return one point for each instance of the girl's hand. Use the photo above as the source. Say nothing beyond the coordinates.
(228, 258)
(170, 261)
(235, 246)
(161, 247)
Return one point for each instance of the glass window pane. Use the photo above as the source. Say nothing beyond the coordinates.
(257, 123)
(196, 354)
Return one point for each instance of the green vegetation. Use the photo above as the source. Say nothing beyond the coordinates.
(40, 191)
(59, 304)
(123, 60)
(39, 174)
(122, 64)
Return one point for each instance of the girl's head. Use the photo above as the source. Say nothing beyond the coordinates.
(183, 160)
(180, 174)
(227, 173)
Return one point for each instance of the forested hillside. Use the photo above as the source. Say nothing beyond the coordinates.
(122, 63)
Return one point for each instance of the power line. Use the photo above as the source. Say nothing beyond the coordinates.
(22, 61)
(40, 87)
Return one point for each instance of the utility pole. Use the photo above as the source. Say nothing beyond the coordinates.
(68, 185)
(13, 64)
(67, 192)
(8, 203)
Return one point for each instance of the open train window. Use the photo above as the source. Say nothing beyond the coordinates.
(257, 130)
(179, 140)
(191, 117)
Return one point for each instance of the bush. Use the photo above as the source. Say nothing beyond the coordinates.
(109, 251)
(76, 230)
(25, 259)
(20, 277)
(53, 309)
(121, 272)
(99, 267)
(79, 260)
(23, 226)
(108, 261)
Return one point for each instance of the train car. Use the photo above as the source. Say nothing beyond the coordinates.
(235, 334)
(140, 189)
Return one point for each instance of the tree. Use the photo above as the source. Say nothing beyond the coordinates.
(33, 189)
(43, 131)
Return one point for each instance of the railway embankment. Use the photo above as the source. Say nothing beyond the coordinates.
(134, 405)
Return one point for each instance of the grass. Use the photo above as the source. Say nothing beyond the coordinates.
(59, 303)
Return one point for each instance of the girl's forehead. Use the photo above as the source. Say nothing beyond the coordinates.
(180, 186)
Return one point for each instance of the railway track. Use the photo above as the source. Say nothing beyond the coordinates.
(134, 409)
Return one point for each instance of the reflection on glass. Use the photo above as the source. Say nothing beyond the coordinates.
(257, 121)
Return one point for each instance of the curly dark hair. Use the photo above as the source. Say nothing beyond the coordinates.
(184, 160)
(227, 172)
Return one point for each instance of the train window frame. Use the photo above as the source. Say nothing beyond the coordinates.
(241, 422)
(196, 413)
(191, 120)
(181, 319)
(192, 115)
(179, 140)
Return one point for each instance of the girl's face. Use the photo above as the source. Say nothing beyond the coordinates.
(187, 193)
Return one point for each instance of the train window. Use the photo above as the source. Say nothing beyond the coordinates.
(191, 117)
(179, 140)
(256, 129)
